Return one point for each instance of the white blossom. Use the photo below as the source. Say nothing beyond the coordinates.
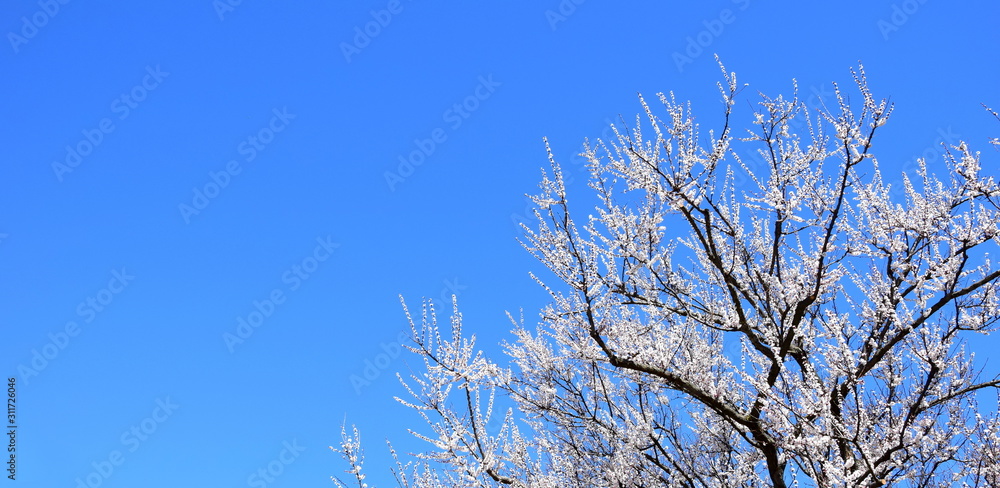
(807, 329)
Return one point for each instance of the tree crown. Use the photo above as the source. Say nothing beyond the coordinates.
(754, 308)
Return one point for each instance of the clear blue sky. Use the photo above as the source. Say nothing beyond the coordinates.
(170, 169)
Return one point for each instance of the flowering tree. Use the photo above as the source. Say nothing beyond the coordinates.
(806, 328)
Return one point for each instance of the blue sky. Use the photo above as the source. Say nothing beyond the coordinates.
(173, 170)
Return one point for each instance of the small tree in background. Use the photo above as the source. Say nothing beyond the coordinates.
(807, 328)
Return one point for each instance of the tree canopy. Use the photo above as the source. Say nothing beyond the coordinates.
(756, 306)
